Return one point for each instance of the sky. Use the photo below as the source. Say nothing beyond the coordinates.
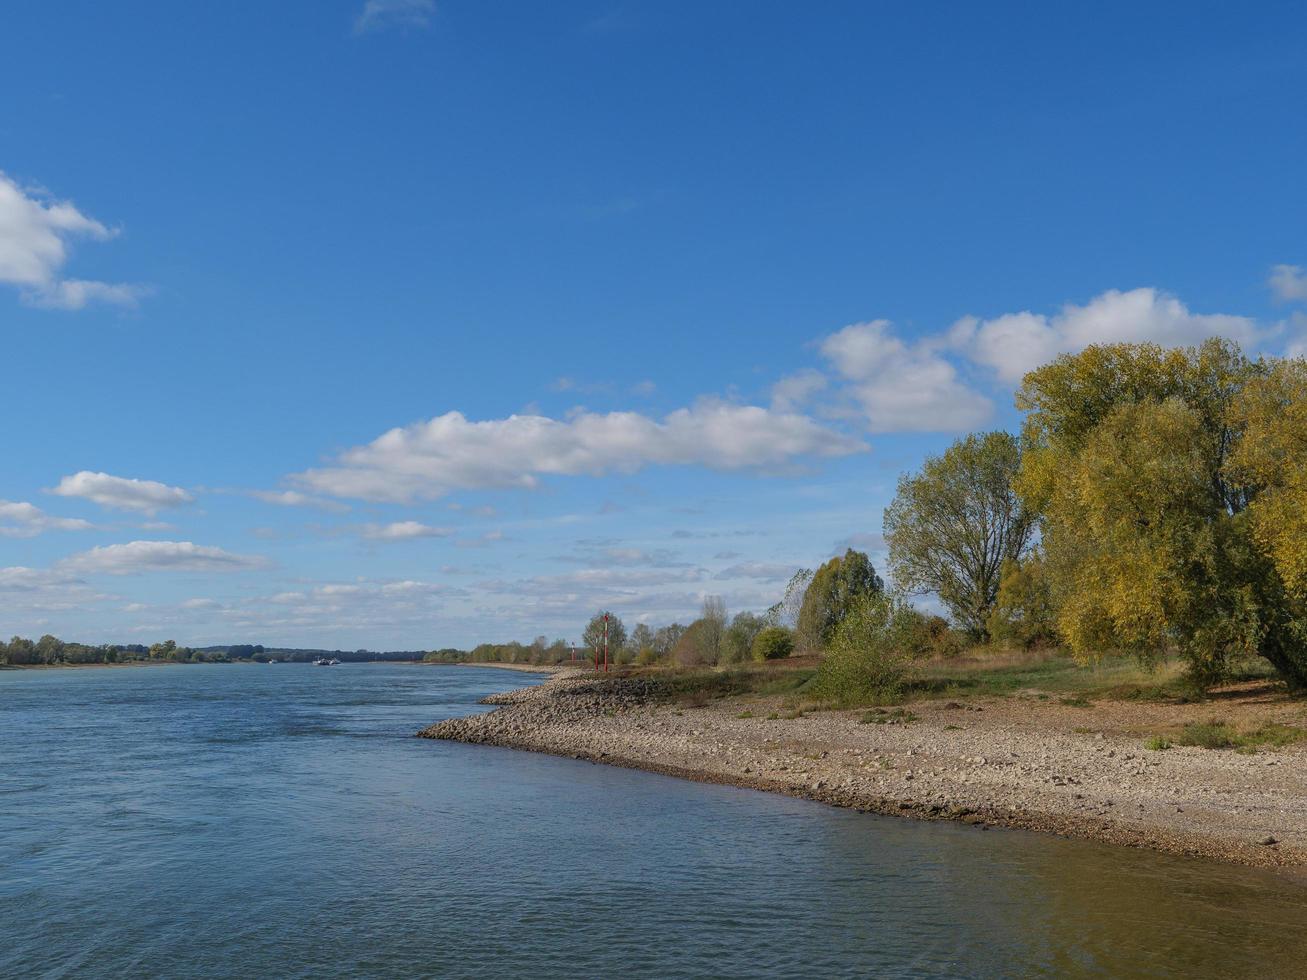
(403, 324)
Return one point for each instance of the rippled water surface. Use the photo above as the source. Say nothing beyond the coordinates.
(280, 821)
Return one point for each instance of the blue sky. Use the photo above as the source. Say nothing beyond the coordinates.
(403, 324)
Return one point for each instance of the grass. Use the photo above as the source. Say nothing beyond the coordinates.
(1217, 734)
(697, 687)
(1047, 675)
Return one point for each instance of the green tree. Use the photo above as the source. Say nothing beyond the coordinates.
(871, 651)
(593, 637)
(1144, 463)
(953, 525)
(1023, 613)
(772, 643)
(834, 590)
(737, 645)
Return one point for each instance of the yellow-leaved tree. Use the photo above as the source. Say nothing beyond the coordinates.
(1160, 476)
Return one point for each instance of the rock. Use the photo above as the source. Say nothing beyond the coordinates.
(1268, 840)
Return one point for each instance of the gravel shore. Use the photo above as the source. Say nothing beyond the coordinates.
(1011, 762)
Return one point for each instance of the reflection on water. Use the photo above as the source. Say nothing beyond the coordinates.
(231, 821)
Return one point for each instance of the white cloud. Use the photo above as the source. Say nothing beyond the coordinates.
(378, 15)
(293, 498)
(1289, 282)
(449, 452)
(158, 556)
(27, 590)
(403, 531)
(768, 571)
(35, 232)
(902, 387)
(201, 604)
(1019, 342)
(796, 389)
(145, 496)
(24, 520)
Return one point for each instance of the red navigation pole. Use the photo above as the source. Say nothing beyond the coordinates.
(605, 643)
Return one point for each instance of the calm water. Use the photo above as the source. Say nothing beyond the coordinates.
(279, 821)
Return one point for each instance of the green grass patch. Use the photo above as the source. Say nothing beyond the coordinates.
(1158, 743)
(1222, 735)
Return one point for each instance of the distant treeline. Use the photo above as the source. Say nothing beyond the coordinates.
(540, 651)
(22, 652)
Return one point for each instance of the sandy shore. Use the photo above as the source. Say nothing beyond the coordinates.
(1012, 762)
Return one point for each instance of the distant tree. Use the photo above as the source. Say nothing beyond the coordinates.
(49, 649)
(786, 611)
(666, 638)
(835, 589)
(772, 643)
(594, 633)
(737, 645)
(641, 639)
(694, 648)
(166, 650)
(953, 525)
(713, 631)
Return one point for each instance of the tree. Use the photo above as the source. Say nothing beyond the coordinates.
(870, 652)
(666, 638)
(49, 649)
(694, 648)
(786, 611)
(737, 645)
(772, 643)
(953, 525)
(593, 636)
(641, 639)
(1023, 612)
(834, 590)
(1154, 470)
(713, 631)
(1272, 457)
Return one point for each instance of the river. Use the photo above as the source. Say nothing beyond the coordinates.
(281, 821)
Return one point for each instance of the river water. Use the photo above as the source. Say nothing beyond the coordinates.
(280, 821)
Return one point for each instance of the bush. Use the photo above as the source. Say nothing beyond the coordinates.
(773, 643)
(871, 651)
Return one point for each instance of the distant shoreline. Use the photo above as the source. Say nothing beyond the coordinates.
(521, 668)
(64, 666)
(990, 763)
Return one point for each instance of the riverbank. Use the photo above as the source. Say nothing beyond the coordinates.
(1073, 769)
(521, 668)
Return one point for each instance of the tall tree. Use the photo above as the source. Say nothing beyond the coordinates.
(1150, 467)
(593, 636)
(713, 630)
(832, 593)
(953, 525)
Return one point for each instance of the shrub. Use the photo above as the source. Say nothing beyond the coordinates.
(773, 643)
(870, 652)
